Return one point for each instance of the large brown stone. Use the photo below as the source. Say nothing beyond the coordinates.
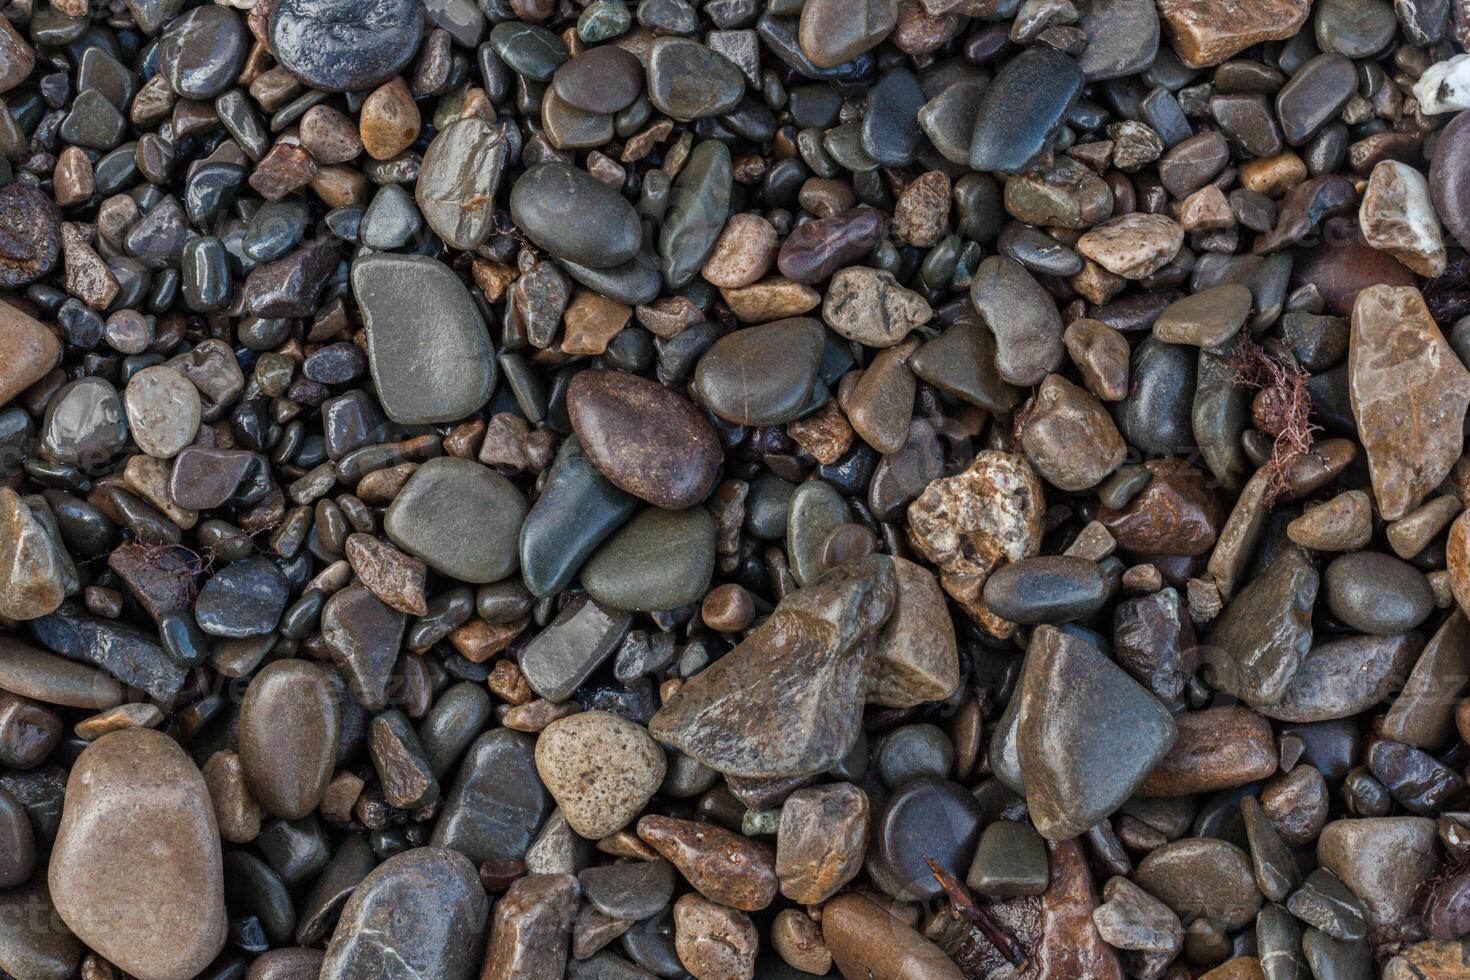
(821, 841)
(645, 438)
(866, 941)
(1409, 393)
(136, 871)
(289, 727)
(724, 866)
(531, 928)
(1176, 513)
(30, 350)
(1070, 943)
(972, 523)
(1206, 32)
(1218, 748)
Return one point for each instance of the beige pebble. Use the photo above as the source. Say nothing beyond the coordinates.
(743, 253)
(389, 121)
(770, 299)
(712, 941)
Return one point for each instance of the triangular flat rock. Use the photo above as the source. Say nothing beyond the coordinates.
(1088, 733)
(788, 700)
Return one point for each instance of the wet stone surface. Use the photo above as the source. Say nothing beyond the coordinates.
(915, 490)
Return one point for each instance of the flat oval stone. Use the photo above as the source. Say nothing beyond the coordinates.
(1377, 593)
(32, 673)
(1023, 108)
(460, 518)
(659, 560)
(1315, 94)
(688, 81)
(242, 599)
(289, 725)
(629, 890)
(368, 43)
(458, 178)
(761, 375)
(1206, 319)
(603, 79)
(833, 32)
(497, 802)
(421, 323)
(201, 52)
(1202, 876)
(420, 913)
(644, 438)
(607, 232)
(163, 409)
(136, 869)
(1046, 589)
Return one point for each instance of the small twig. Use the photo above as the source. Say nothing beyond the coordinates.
(994, 932)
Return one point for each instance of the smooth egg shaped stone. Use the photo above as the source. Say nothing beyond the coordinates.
(661, 559)
(688, 81)
(459, 518)
(289, 726)
(644, 437)
(136, 872)
(575, 216)
(1046, 589)
(1377, 593)
(761, 375)
(427, 346)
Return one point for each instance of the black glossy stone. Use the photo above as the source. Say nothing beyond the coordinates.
(1022, 110)
(369, 41)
